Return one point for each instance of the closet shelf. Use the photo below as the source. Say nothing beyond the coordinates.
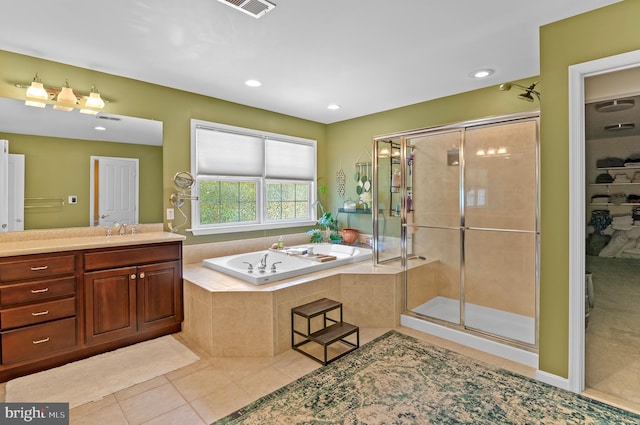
(624, 204)
(631, 167)
(613, 184)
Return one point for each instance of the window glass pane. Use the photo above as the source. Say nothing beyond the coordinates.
(274, 211)
(227, 202)
(288, 210)
(302, 192)
(274, 192)
(288, 192)
(209, 191)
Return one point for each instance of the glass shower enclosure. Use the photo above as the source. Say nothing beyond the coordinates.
(458, 208)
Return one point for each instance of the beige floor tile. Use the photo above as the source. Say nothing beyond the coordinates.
(236, 368)
(294, 364)
(111, 415)
(93, 406)
(140, 388)
(264, 381)
(201, 382)
(183, 415)
(151, 404)
(221, 402)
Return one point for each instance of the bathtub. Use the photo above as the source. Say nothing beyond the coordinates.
(283, 264)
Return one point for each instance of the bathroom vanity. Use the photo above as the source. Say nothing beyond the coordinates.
(66, 299)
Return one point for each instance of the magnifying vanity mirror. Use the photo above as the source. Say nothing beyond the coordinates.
(183, 181)
(58, 148)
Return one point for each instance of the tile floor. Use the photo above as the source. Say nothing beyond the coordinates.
(214, 387)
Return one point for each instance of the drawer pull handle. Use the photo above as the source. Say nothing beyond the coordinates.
(40, 341)
(133, 277)
(40, 313)
(141, 275)
(35, 269)
(39, 291)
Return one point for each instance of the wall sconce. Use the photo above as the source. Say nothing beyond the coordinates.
(63, 98)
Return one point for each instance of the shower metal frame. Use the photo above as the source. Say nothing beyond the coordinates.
(460, 126)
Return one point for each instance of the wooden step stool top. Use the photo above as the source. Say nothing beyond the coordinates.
(315, 308)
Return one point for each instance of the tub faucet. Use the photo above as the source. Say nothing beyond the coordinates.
(263, 262)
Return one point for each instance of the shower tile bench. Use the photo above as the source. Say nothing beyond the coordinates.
(328, 334)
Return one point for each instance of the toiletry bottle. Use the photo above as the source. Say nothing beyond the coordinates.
(281, 242)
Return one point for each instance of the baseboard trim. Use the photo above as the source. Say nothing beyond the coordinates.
(551, 379)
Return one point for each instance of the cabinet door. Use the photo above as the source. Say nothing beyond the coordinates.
(110, 304)
(159, 295)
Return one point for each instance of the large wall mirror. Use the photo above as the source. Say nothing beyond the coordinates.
(58, 149)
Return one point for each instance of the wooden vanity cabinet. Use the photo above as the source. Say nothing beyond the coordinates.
(60, 307)
(132, 291)
(38, 307)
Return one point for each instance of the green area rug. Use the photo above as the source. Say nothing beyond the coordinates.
(396, 379)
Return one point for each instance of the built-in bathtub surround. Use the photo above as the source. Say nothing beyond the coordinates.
(229, 317)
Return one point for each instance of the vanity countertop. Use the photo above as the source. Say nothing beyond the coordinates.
(69, 242)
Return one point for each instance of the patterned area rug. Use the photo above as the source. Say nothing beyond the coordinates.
(396, 379)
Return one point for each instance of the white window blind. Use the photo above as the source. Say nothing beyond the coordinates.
(227, 154)
(286, 160)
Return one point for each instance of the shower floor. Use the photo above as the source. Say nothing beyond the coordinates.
(497, 322)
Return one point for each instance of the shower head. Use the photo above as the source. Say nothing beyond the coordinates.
(528, 91)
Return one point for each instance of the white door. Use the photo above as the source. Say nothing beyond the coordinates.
(116, 200)
(16, 193)
(4, 186)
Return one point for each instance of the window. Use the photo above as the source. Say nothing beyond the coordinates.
(250, 180)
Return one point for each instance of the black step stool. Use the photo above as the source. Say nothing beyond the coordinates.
(331, 332)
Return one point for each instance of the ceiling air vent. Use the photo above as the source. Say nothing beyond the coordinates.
(255, 8)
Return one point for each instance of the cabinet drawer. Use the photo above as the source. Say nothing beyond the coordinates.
(34, 268)
(21, 293)
(38, 340)
(131, 256)
(37, 313)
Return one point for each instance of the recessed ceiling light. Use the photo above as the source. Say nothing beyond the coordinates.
(481, 73)
(253, 83)
(99, 128)
(333, 107)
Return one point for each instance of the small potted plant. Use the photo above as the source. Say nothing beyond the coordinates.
(331, 227)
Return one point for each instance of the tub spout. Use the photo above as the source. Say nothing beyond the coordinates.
(263, 262)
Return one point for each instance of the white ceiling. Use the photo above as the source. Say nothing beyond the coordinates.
(365, 55)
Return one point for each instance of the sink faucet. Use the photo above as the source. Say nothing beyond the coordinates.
(122, 229)
(263, 262)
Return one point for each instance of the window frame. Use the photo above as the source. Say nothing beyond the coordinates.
(261, 188)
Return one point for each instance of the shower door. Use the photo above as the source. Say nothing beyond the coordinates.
(433, 221)
(471, 209)
(500, 229)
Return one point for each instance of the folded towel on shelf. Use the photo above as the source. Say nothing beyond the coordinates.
(618, 198)
(621, 178)
(600, 199)
(610, 162)
(604, 178)
(622, 223)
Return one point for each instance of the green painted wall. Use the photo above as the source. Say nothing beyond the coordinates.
(583, 38)
(175, 108)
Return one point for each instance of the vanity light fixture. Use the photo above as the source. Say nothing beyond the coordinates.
(93, 101)
(62, 98)
(66, 98)
(36, 94)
